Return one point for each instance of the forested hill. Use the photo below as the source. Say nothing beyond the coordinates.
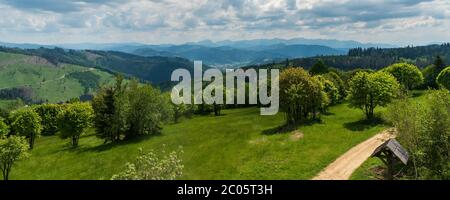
(153, 69)
(376, 58)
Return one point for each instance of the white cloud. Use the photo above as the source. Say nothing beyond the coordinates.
(168, 21)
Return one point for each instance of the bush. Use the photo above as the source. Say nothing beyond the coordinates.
(153, 166)
(443, 78)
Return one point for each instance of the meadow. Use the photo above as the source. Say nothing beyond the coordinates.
(49, 82)
(240, 144)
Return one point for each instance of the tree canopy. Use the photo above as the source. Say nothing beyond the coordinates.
(12, 148)
(301, 96)
(74, 120)
(26, 122)
(408, 75)
(369, 90)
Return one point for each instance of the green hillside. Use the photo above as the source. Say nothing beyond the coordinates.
(153, 69)
(47, 81)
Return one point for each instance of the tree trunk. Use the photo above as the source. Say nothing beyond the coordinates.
(31, 141)
(75, 140)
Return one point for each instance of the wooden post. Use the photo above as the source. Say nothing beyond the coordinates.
(390, 165)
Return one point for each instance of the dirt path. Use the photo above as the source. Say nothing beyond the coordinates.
(343, 167)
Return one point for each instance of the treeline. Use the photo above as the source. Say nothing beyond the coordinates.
(26, 94)
(409, 52)
(372, 58)
(304, 95)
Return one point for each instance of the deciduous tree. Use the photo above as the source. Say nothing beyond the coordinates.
(26, 122)
(409, 76)
(74, 120)
(12, 148)
(369, 90)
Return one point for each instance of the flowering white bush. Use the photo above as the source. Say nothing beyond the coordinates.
(153, 166)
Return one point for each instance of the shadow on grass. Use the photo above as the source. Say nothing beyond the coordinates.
(108, 146)
(363, 124)
(327, 113)
(286, 128)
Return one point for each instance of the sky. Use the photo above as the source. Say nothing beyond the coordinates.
(400, 22)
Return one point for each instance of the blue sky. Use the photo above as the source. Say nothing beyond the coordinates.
(172, 21)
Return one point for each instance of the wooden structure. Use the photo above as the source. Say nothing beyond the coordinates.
(390, 152)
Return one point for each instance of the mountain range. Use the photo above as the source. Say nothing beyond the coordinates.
(225, 53)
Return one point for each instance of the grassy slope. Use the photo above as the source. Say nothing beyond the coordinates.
(48, 81)
(233, 146)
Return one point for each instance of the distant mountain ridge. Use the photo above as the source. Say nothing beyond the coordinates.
(336, 44)
(226, 53)
(227, 56)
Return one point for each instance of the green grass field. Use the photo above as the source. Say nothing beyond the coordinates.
(48, 82)
(241, 144)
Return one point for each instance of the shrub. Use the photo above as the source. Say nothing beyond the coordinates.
(153, 166)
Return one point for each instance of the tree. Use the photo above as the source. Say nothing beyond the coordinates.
(409, 76)
(110, 109)
(4, 128)
(12, 148)
(49, 114)
(338, 83)
(153, 166)
(127, 110)
(432, 72)
(301, 96)
(369, 90)
(443, 78)
(26, 122)
(148, 109)
(330, 89)
(429, 76)
(318, 68)
(423, 129)
(74, 120)
(439, 64)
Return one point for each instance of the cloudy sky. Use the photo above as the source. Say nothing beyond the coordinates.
(176, 21)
